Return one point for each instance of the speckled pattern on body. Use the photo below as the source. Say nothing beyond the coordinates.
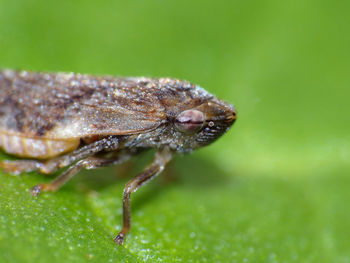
(82, 121)
(74, 105)
(64, 106)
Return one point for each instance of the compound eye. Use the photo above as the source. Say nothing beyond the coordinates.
(189, 121)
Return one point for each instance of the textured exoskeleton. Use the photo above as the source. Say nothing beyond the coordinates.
(82, 121)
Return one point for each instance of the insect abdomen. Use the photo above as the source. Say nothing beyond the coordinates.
(36, 148)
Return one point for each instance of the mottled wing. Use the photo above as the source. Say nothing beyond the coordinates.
(62, 106)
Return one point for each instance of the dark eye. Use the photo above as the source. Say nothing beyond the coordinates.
(189, 121)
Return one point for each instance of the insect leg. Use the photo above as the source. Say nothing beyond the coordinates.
(19, 166)
(109, 143)
(87, 163)
(162, 157)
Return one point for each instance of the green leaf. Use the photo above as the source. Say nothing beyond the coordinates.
(206, 215)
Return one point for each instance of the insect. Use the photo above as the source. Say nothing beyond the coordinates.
(56, 120)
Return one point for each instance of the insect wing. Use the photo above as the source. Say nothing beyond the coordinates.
(61, 106)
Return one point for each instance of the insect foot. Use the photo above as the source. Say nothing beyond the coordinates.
(119, 239)
(35, 191)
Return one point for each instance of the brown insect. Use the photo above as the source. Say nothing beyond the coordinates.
(82, 121)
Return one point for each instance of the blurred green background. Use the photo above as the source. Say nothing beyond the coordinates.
(275, 188)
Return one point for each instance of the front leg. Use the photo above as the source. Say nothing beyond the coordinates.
(162, 157)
